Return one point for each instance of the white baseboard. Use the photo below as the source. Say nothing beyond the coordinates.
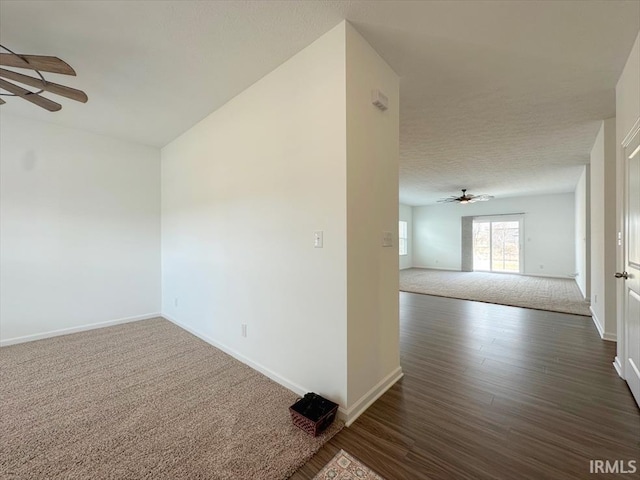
(618, 366)
(596, 322)
(544, 275)
(294, 387)
(564, 277)
(436, 268)
(372, 395)
(347, 416)
(610, 337)
(81, 328)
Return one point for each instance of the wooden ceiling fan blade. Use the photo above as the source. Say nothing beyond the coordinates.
(37, 62)
(72, 93)
(30, 97)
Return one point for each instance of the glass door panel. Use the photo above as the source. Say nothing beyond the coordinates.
(496, 246)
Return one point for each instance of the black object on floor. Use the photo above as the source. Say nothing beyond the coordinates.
(313, 413)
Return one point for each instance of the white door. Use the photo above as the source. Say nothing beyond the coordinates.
(631, 274)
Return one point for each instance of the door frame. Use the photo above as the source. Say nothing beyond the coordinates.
(502, 217)
(621, 208)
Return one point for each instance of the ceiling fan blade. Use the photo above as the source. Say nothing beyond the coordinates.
(30, 97)
(482, 198)
(37, 62)
(72, 93)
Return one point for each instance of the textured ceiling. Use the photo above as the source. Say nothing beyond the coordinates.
(502, 98)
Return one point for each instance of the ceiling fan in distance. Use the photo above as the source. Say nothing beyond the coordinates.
(466, 198)
(37, 63)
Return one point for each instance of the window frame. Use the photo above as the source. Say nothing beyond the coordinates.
(515, 217)
(401, 238)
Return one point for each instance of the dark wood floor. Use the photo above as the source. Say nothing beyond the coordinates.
(494, 392)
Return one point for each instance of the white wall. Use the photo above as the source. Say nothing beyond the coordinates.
(372, 208)
(627, 115)
(406, 215)
(582, 229)
(79, 229)
(603, 230)
(628, 94)
(242, 193)
(549, 226)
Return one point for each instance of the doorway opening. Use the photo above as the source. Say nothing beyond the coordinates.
(497, 244)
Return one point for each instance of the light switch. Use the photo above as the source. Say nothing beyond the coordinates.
(387, 239)
(317, 239)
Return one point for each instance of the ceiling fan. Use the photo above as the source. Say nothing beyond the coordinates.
(39, 63)
(466, 198)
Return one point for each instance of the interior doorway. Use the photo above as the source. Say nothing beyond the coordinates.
(629, 274)
(497, 244)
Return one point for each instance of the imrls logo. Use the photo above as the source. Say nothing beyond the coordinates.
(612, 466)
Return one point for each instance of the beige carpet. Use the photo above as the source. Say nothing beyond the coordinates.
(144, 400)
(346, 467)
(540, 293)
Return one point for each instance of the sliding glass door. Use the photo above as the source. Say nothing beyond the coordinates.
(497, 245)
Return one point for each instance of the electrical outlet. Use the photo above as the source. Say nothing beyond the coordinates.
(244, 329)
(595, 298)
(175, 302)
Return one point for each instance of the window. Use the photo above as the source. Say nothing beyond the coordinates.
(497, 245)
(403, 241)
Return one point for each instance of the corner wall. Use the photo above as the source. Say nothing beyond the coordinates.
(603, 230)
(242, 193)
(549, 230)
(583, 234)
(372, 208)
(79, 230)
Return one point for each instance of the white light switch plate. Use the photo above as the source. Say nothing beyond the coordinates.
(387, 239)
(318, 239)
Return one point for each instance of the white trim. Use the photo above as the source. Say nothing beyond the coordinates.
(490, 219)
(635, 372)
(81, 328)
(372, 395)
(437, 268)
(610, 337)
(406, 239)
(618, 366)
(542, 275)
(294, 387)
(629, 136)
(564, 277)
(348, 416)
(596, 322)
